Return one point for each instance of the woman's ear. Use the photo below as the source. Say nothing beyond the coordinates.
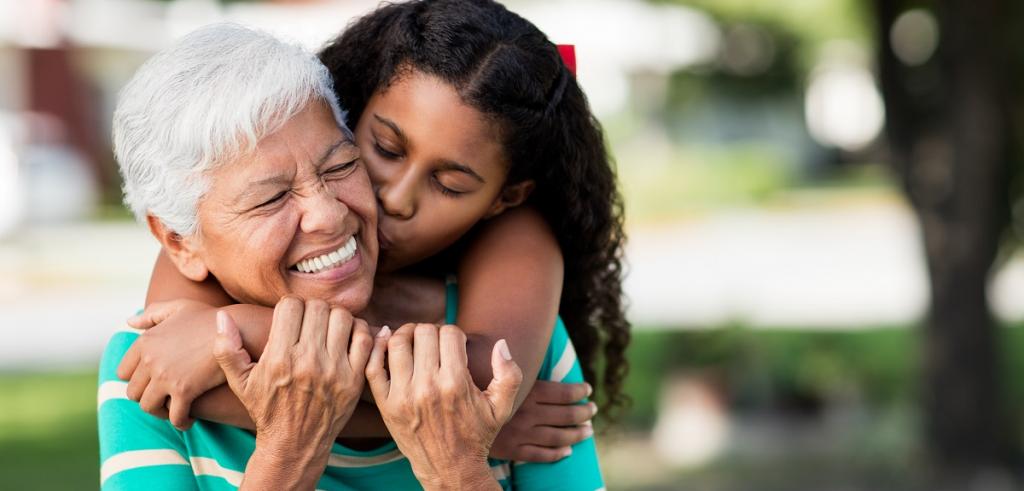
(511, 196)
(183, 251)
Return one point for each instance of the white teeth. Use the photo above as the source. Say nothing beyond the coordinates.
(329, 260)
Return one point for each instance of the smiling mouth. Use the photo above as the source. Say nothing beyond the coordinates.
(328, 261)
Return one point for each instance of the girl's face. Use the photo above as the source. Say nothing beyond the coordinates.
(436, 165)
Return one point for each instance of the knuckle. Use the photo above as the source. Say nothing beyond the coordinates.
(182, 388)
(399, 340)
(316, 305)
(423, 396)
(406, 329)
(449, 388)
(453, 332)
(292, 301)
(425, 329)
(149, 407)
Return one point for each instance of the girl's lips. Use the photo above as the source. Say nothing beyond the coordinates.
(382, 240)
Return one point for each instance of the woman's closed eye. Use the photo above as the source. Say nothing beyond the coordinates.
(277, 198)
(340, 170)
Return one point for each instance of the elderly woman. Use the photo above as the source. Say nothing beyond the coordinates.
(199, 131)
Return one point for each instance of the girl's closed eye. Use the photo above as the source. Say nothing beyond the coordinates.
(447, 191)
(383, 152)
(446, 186)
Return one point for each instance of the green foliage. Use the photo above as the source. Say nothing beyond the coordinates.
(702, 177)
(774, 369)
(48, 431)
(813, 22)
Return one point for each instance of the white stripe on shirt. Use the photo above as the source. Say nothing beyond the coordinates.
(205, 466)
(565, 364)
(139, 458)
(111, 390)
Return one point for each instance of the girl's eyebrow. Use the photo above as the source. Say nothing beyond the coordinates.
(453, 165)
(391, 124)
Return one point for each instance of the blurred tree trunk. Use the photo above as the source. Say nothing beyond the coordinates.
(948, 129)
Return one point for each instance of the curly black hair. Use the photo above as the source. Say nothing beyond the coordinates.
(505, 67)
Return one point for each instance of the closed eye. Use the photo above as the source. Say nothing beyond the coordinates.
(341, 168)
(447, 191)
(277, 197)
(384, 153)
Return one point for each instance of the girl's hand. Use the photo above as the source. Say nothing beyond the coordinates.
(548, 423)
(171, 364)
(158, 312)
(305, 386)
(441, 422)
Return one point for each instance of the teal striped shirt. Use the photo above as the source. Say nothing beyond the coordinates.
(139, 451)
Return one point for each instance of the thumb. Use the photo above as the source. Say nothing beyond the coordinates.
(231, 356)
(153, 315)
(501, 392)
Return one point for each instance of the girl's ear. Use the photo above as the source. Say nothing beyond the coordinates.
(511, 196)
(183, 251)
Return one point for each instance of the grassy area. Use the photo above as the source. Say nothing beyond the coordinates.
(48, 431)
(48, 421)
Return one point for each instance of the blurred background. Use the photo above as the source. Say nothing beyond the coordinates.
(822, 200)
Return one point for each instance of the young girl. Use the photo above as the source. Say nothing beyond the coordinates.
(486, 162)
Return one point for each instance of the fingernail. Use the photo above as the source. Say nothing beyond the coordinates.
(567, 452)
(221, 320)
(593, 408)
(503, 349)
(588, 430)
(590, 390)
(384, 332)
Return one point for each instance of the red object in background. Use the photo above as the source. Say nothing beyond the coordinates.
(568, 52)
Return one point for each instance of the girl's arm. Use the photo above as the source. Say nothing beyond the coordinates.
(166, 284)
(510, 283)
(218, 404)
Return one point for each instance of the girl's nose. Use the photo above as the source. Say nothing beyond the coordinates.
(397, 196)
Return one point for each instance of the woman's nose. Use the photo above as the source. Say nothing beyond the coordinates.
(397, 196)
(323, 213)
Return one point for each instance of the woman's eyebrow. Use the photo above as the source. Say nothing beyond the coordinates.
(390, 124)
(331, 149)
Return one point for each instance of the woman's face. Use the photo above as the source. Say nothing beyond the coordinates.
(297, 216)
(436, 164)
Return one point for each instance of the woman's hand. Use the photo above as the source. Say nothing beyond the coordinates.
(170, 364)
(301, 392)
(441, 422)
(548, 423)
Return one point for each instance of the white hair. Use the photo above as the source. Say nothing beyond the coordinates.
(205, 100)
